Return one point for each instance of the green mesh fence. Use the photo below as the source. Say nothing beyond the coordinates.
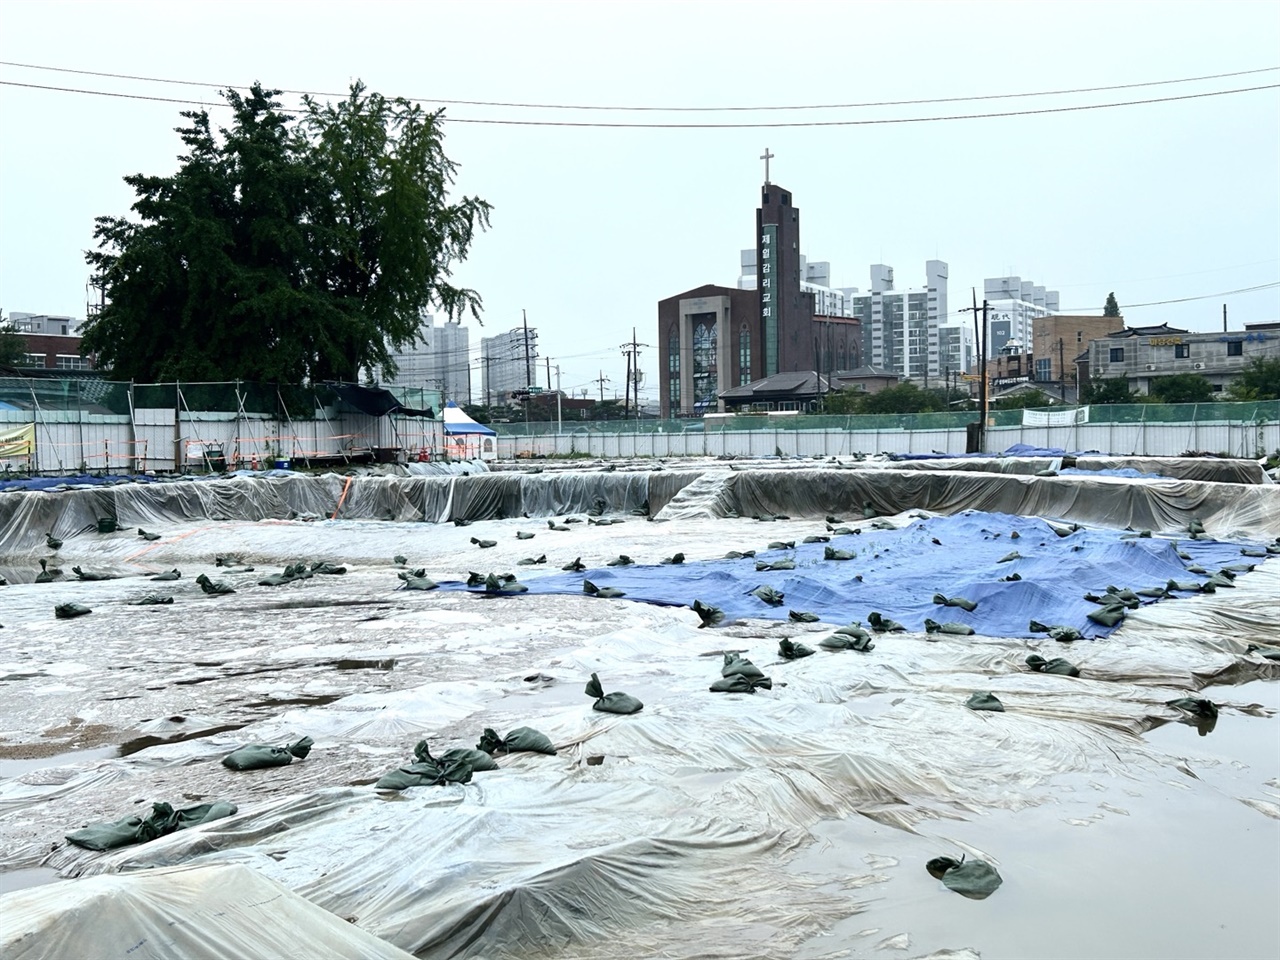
(87, 394)
(1257, 412)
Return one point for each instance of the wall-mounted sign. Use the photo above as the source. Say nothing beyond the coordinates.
(768, 295)
(1164, 341)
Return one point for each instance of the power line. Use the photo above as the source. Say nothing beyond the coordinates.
(619, 108)
(712, 126)
(1206, 296)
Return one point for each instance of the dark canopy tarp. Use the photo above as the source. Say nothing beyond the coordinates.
(375, 401)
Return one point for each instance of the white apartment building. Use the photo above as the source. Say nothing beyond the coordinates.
(900, 328)
(438, 360)
(1013, 304)
(508, 362)
(45, 324)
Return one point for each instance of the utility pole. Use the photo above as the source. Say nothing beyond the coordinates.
(602, 380)
(548, 374)
(1062, 371)
(980, 336)
(1224, 318)
(528, 369)
(631, 351)
(559, 415)
(626, 400)
(487, 381)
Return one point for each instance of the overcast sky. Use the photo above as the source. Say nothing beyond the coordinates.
(592, 226)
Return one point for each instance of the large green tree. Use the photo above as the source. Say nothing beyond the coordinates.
(12, 347)
(1181, 388)
(1107, 390)
(1111, 308)
(285, 247)
(1260, 380)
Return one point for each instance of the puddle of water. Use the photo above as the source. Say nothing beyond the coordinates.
(11, 880)
(18, 766)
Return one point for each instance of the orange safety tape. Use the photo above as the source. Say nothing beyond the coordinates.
(342, 498)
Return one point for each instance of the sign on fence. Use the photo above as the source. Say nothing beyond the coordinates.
(18, 442)
(1055, 418)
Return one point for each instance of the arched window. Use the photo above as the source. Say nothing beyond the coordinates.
(744, 355)
(705, 376)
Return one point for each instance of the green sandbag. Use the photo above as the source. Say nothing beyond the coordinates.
(502, 585)
(789, 650)
(1059, 631)
(1011, 578)
(163, 820)
(399, 559)
(985, 701)
(843, 531)
(170, 575)
(107, 525)
(577, 566)
(957, 629)
(801, 616)
(478, 760)
(739, 666)
(786, 564)
(214, 587)
(532, 561)
(149, 537)
(883, 624)
(151, 600)
(816, 539)
(521, 535)
(675, 560)
(782, 545)
(519, 740)
(558, 527)
(853, 630)
(1192, 586)
(1107, 616)
(1057, 665)
(944, 601)
(68, 611)
(843, 641)
(259, 756)
(92, 575)
(831, 553)
(622, 561)
(325, 568)
(484, 544)
(425, 775)
(975, 879)
(740, 684)
(611, 703)
(739, 555)
(772, 597)
(1205, 709)
(1010, 556)
(868, 511)
(418, 583)
(1156, 593)
(709, 615)
(608, 593)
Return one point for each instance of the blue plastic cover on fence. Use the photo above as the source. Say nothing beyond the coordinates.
(897, 573)
(79, 480)
(1017, 450)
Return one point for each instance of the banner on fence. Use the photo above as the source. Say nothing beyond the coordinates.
(18, 442)
(1055, 418)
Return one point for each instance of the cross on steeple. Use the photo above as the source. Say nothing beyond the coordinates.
(766, 157)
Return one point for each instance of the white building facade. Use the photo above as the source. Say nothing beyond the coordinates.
(508, 362)
(815, 278)
(438, 360)
(1012, 307)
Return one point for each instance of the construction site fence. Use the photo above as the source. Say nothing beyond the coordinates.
(1146, 429)
(85, 425)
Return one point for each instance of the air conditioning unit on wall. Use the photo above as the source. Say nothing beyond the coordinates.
(1197, 366)
(1151, 366)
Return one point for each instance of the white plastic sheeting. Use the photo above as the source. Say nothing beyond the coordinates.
(708, 825)
(191, 912)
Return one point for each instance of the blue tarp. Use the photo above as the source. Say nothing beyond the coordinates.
(1017, 450)
(82, 479)
(901, 570)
